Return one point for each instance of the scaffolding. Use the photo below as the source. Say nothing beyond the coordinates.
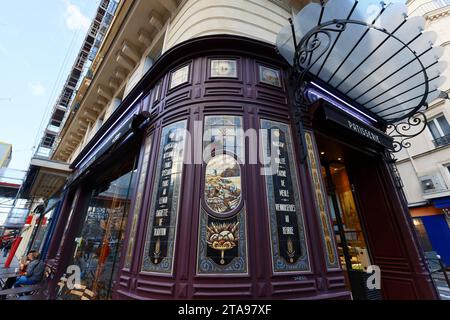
(92, 42)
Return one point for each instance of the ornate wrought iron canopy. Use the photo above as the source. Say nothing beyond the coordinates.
(372, 53)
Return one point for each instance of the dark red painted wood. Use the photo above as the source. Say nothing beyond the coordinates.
(246, 97)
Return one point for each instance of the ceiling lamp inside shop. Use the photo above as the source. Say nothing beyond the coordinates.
(368, 50)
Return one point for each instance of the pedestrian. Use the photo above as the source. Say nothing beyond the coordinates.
(7, 247)
(35, 271)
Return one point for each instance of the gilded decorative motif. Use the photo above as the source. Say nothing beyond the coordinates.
(138, 201)
(328, 236)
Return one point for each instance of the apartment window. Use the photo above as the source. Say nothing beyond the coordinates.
(428, 185)
(440, 130)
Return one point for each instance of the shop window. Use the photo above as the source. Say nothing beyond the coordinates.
(223, 68)
(440, 130)
(161, 229)
(422, 234)
(287, 230)
(138, 201)
(179, 76)
(352, 246)
(222, 245)
(42, 230)
(269, 76)
(98, 244)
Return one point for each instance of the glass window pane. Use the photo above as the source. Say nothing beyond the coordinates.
(138, 201)
(434, 130)
(443, 123)
(42, 231)
(98, 246)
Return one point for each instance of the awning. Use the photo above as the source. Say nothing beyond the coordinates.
(441, 203)
(44, 178)
(371, 52)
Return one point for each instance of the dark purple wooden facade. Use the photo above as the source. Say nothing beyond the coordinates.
(396, 251)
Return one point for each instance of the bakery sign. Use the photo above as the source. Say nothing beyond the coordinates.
(358, 127)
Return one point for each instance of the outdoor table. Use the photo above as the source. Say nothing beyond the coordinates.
(6, 275)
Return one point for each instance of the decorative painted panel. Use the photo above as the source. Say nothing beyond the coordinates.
(157, 92)
(179, 76)
(287, 230)
(223, 68)
(222, 245)
(223, 184)
(269, 76)
(320, 201)
(223, 134)
(161, 230)
(138, 201)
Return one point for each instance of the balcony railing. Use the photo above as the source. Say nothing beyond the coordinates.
(442, 141)
(430, 6)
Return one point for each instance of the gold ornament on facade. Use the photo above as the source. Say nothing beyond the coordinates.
(222, 237)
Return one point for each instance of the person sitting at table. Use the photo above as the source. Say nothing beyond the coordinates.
(21, 272)
(35, 271)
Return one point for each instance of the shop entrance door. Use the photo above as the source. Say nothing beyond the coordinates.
(354, 252)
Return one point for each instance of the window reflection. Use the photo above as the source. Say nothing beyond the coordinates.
(98, 246)
(42, 230)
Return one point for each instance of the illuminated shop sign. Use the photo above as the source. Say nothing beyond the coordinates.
(358, 127)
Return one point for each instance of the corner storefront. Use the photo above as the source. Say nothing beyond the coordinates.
(149, 213)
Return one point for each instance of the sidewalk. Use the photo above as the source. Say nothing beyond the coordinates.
(441, 285)
(14, 262)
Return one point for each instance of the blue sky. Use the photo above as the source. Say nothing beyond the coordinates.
(39, 41)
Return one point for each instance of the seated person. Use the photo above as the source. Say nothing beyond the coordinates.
(34, 273)
(21, 272)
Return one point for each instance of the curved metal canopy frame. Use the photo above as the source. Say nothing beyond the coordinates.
(402, 128)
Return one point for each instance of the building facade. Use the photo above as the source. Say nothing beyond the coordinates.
(5, 154)
(424, 168)
(173, 194)
(45, 178)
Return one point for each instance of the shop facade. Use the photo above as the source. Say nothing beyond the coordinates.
(143, 219)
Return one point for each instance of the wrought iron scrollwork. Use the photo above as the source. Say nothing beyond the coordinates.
(319, 39)
(402, 132)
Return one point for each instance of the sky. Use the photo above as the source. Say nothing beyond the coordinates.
(39, 41)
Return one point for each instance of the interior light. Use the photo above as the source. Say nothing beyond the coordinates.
(322, 153)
